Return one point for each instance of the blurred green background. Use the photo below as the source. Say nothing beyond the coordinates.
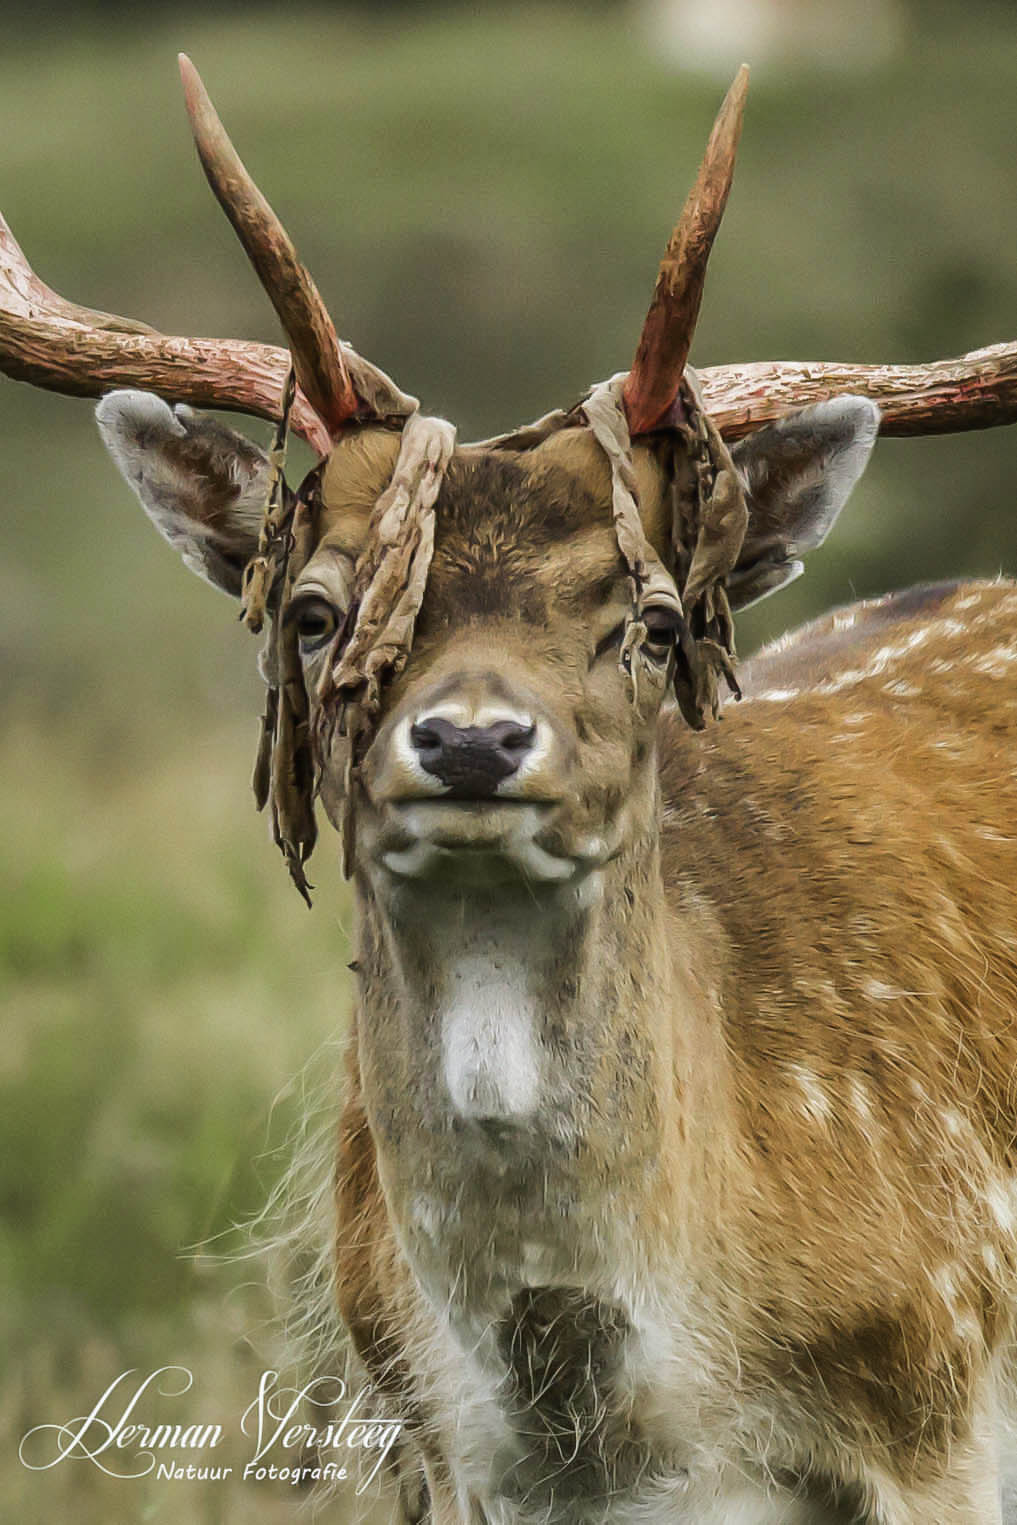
(483, 194)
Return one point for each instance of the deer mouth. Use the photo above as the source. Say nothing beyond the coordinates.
(475, 806)
(475, 841)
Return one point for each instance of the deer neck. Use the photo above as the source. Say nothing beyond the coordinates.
(519, 1050)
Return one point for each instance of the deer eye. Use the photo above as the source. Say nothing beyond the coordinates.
(662, 622)
(316, 621)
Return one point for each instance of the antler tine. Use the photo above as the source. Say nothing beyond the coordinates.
(317, 357)
(671, 321)
(50, 342)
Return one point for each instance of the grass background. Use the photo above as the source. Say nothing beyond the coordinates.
(482, 195)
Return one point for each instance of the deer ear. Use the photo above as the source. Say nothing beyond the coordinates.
(798, 474)
(202, 485)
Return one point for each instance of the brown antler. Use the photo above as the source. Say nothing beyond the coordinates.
(50, 342)
(975, 391)
(671, 321)
(317, 358)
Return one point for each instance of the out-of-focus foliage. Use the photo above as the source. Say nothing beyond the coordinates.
(483, 201)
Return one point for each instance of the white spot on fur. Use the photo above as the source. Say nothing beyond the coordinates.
(967, 1328)
(990, 1259)
(816, 1103)
(781, 643)
(998, 1201)
(944, 1282)
(777, 695)
(846, 680)
(861, 1102)
(995, 663)
(951, 851)
(878, 663)
(950, 747)
(989, 834)
(884, 656)
(878, 990)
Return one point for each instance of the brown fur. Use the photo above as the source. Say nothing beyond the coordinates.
(839, 895)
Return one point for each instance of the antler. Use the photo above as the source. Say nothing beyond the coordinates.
(975, 391)
(337, 382)
(671, 321)
(317, 358)
(50, 342)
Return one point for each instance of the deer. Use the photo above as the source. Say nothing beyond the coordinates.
(675, 1175)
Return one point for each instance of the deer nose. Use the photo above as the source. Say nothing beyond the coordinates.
(472, 760)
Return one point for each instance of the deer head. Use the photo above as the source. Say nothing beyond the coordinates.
(494, 626)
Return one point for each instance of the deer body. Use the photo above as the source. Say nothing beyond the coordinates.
(675, 1178)
(772, 1187)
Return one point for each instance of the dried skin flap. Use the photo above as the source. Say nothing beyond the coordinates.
(707, 536)
(392, 573)
(389, 590)
(715, 530)
(651, 582)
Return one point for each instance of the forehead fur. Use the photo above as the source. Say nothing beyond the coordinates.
(495, 506)
(511, 537)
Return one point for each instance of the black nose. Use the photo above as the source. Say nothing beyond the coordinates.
(473, 759)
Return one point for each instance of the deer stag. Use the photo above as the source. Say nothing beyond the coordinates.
(676, 1168)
